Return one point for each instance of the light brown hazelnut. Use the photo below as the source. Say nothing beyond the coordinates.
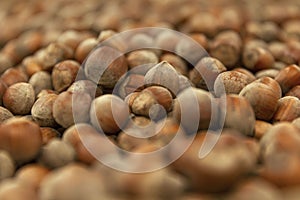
(32, 175)
(105, 66)
(64, 74)
(45, 92)
(84, 48)
(19, 98)
(5, 114)
(14, 189)
(157, 76)
(31, 65)
(231, 82)
(21, 138)
(261, 127)
(141, 57)
(205, 72)
(7, 165)
(178, 63)
(5, 63)
(40, 81)
(249, 74)
(109, 113)
(42, 110)
(57, 153)
(70, 108)
(272, 73)
(263, 94)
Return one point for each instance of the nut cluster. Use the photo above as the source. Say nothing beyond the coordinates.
(68, 84)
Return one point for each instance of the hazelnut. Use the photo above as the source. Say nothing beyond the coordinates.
(84, 48)
(5, 63)
(105, 66)
(226, 47)
(230, 81)
(32, 175)
(42, 110)
(145, 102)
(45, 92)
(3, 88)
(86, 86)
(167, 41)
(70, 108)
(205, 72)
(21, 138)
(109, 113)
(5, 114)
(12, 76)
(40, 81)
(178, 63)
(64, 74)
(57, 153)
(263, 94)
(31, 65)
(48, 134)
(288, 109)
(272, 73)
(295, 91)
(82, 184)
(14, 189)
(248, 73)
(19, 98)
(130, 84)
(157, 76)
(261, 127)
(288, 77)
(7, 165)
(239, 109)
(266, 31)
(141, 57)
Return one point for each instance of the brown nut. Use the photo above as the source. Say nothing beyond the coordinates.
(105, 66)
(5, 114)
(42, 110)
(288, 77)
(31, 65)
(295, 91)
(157, 76)
(64, 74)
(7, 165)
(230, 81)
(40, 81)
(266, 31)
(70, 108)
(257, 58)
(141, 57)
(145, 102)
(3, 88)
(288, 109)
(272, 73)
(48, 134)
(130, 84)
(19, 98)
(21, 138)
(86, 86)
(178, 63)
(249, 74)
(263, 94)
(12, 76)
(57, 153)
(204, 74)
(226, 47)
(5, 63)
(82, 184)
(109, 113)
(14, 189)
(239, 109)
(84, 48)
(261, 127)
(32, 175)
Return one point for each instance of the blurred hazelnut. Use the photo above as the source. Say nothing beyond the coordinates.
(21, 138)
(261, 127)
(14, 189)
(178, 63)
(70, 108)
(12, 76)
(109, 113)
(288, 77)
(5, 114)
(295, 91)
(7, 165)
(84, 48)
(141, 57)
(48, 134)
(105, 66)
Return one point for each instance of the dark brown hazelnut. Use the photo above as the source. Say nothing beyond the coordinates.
(288, 77)
(288, 109)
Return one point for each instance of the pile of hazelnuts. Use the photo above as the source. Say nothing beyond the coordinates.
(66, 88)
